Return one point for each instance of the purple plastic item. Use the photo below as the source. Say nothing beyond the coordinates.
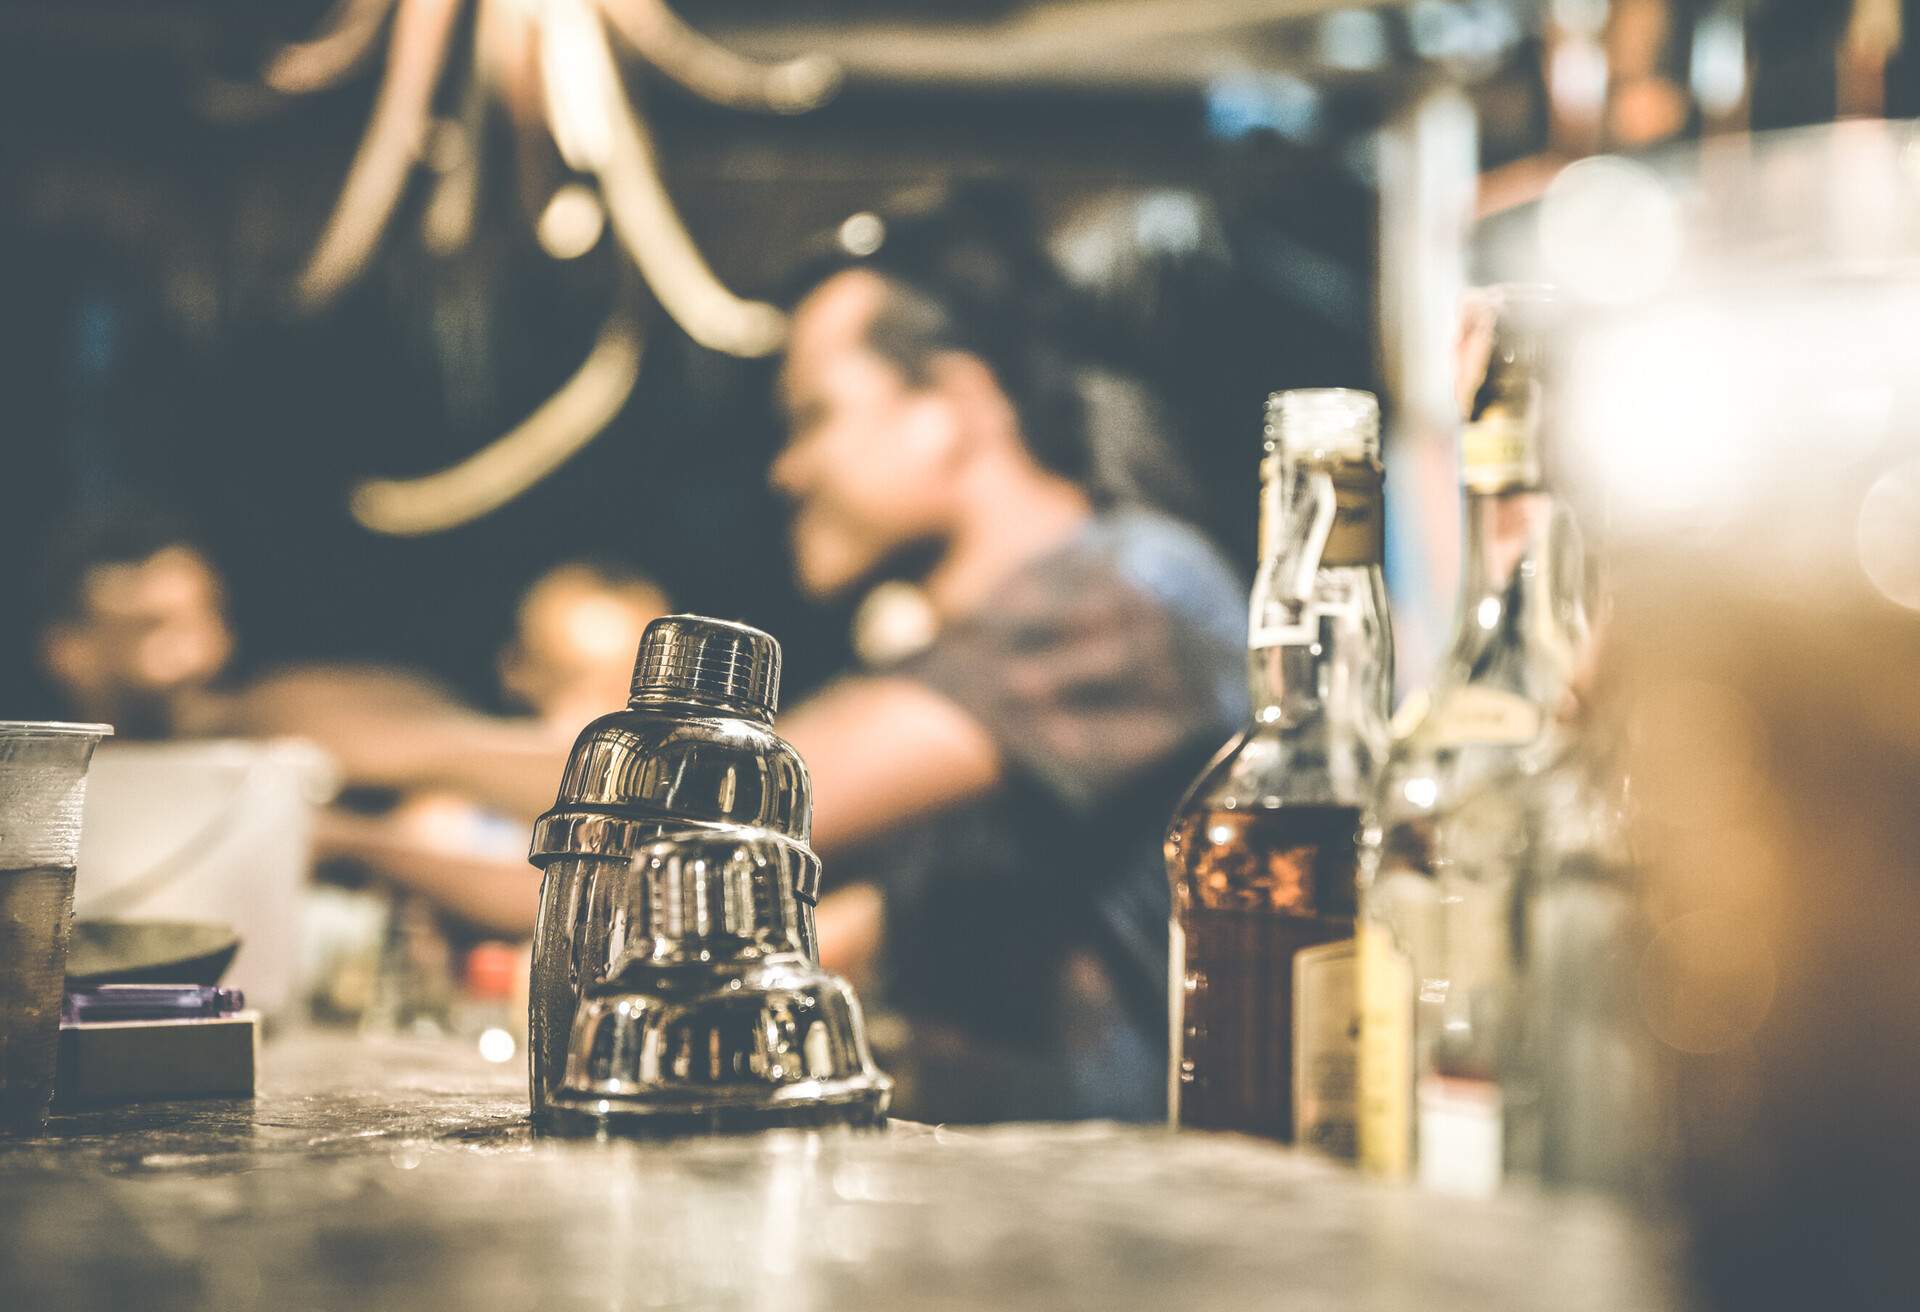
(150, 1002)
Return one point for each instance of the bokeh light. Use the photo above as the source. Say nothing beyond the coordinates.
(1610, 231)
(1888, 535)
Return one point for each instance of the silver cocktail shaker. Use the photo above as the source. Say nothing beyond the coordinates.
(713, 1017)
(693, 752)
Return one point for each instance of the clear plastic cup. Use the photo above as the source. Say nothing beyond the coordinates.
(43, 783)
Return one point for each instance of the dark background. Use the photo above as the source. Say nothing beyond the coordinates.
(155, 205)
(150, 354)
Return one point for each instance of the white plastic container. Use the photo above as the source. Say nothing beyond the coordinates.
(212, 831)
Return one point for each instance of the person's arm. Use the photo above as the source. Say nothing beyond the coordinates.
(498, 894)
(386, 731)
(882, 750)
(850, 921)
(879, 750)
(511, 765)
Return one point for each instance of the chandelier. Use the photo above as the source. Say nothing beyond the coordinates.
(554, 67)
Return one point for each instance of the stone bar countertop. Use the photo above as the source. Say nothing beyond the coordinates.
(374, 1174)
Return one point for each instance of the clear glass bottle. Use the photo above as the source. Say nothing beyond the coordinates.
(1262, 850)
(1578, 1048)
(413, 985)
(1446, 854)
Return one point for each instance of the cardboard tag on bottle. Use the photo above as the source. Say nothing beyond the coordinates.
(1480, 716)
(1359, 529)
(1386, 1052)
(1499, 451)
(1176, 1017)
(1325, 1048)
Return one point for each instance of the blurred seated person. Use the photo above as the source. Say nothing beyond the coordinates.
(575, 634)
(1006, 787)
(570, 661)
(134, 632)
(133, 625)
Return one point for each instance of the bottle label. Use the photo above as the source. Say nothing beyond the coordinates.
(1176, 1016)
(1461, 1129)
(1325, 1048)
(1386, 1052)
(1483, 716)
(1358, 536)
(1498, 452)
(1273, 507)
(1360, 519)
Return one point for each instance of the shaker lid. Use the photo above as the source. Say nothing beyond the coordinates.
(694, 658)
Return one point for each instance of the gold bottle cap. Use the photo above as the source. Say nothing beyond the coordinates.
(1501, 391)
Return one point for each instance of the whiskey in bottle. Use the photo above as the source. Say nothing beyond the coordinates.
(1262, 852)
(1259, 885)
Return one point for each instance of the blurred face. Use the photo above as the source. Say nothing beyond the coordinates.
(146, 631)
(870, 459)
(572, 658)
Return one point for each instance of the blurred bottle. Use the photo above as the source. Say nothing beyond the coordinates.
(413, 987)
(492, 1010)
(1445, 859)
(1577, 1069)
(1262, 850)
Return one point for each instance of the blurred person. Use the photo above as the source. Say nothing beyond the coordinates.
(569, 661)
(1005, 787)
(133, 625)
(133, 630)
(575, 634)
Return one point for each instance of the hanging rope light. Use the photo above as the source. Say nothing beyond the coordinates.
(552, 63)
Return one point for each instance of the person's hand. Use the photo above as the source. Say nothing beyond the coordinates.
(341, 835)
(435, 822)
(849, 921)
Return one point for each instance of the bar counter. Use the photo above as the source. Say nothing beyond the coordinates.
(402, 1173)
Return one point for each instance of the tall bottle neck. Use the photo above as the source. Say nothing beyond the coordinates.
(1337, 664)
(1319, 642)
(1282, 682)
(1520, 574)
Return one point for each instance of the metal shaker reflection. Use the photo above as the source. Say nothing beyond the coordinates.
(714, 1017)
(692, 759)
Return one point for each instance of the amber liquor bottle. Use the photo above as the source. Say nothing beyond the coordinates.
(1262, 851)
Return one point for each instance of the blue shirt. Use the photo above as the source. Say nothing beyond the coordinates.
(1026, 930)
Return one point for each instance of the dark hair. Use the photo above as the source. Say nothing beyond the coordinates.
(96, 540)
(971, 276)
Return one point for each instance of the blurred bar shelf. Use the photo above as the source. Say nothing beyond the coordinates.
(401, 1173)
(1137, 45)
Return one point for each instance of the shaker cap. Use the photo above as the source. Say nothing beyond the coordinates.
(693, 658)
